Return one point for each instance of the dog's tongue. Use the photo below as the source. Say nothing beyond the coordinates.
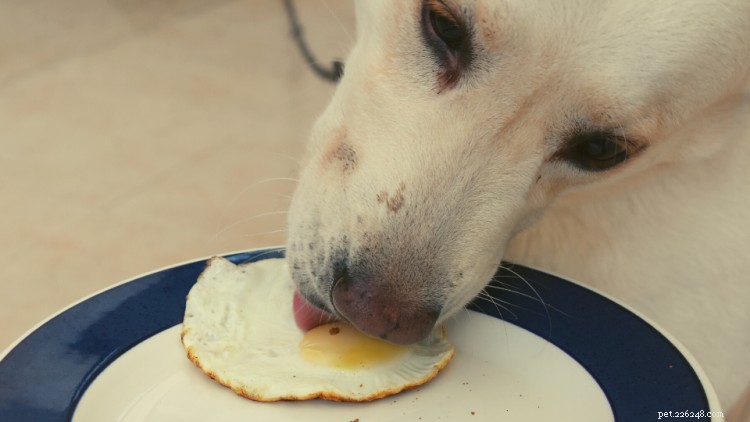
(307, 316)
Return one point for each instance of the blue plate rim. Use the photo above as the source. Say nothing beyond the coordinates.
(23, 402)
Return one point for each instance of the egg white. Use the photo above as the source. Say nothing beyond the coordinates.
(239, 329)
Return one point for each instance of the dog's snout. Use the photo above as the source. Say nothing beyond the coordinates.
(382, 311)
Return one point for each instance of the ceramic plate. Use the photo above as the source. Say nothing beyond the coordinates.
(576, 356)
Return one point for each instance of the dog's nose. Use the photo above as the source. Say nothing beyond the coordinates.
(383, 311)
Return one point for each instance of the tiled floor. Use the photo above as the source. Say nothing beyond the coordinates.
(137, 134)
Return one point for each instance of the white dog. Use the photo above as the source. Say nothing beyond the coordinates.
(607, 141)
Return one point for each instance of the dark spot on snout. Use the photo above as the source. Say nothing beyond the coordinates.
(380, 310)
(394, 201)
(346, 154)
(341, 153)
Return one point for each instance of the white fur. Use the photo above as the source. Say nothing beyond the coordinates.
(668, 232)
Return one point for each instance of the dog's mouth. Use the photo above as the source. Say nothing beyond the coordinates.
(372, 312)
(308, 316)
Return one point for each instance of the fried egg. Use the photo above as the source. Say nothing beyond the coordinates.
(239, 329)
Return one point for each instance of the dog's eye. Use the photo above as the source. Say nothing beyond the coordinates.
(448, 40)
(596, 151)
(446, 28)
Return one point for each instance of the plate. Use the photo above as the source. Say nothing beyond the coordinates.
(532, 347)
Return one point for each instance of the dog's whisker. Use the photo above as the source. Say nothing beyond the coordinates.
(267, 252)
(499, 276)
(466, 310)
(483, 295)
(497, 303)
(242, 192)
(506, 304)
(338, 20)
(536, 293)
(251, 235)
(528, 296)
(514, 275)
(291, 158)
(245, 189)
(247, 220)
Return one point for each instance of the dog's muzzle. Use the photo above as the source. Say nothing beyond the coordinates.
(380, 310)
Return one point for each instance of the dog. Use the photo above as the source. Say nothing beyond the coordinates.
(606, 141)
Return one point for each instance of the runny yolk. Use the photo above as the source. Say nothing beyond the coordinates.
(342, 346)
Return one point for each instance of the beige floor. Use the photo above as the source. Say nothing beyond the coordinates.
(135, 134)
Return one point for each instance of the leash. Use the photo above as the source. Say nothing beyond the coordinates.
(337, 68)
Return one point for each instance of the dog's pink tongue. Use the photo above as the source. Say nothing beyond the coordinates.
(307, 315)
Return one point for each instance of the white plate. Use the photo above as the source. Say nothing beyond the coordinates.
(577, 357)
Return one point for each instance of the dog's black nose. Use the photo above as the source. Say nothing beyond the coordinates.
(378, 309)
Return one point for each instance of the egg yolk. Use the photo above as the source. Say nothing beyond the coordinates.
(342, 346)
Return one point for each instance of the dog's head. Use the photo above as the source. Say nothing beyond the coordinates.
(458, 122)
